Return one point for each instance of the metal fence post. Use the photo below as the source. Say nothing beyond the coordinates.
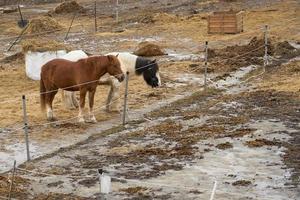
(117, 11)
(205, 66)
(95, 13)
(266, 61)
(25, 127)
(125, 98)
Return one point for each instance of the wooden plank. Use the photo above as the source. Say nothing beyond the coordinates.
(223, 18)
(232, 21)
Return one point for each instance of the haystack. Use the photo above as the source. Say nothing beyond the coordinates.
(68, 7)
(148, 49)
(43, 24)
(159, 17)
(38, 45)
(165, 17)
(286, 50)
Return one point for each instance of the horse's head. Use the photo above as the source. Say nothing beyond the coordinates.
(151, 74)
(114, 68)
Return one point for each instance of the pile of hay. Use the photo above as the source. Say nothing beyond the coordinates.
(285, 50)
(37, 45)
(159, 17)
(165, 17)
(148, 49)
(43, 24)
(251, 53)
(68, 7)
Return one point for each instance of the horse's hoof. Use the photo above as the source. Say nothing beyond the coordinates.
(52, 119)
(93, 120)
(81, 120)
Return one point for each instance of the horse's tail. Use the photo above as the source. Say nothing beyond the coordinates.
(42, 94)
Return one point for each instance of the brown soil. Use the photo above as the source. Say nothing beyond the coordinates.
(262, 142)
(55, 196)
(241, 183)
(18, 188)
(133, 190)
(223, 146)
(232, 57)
(148, 49)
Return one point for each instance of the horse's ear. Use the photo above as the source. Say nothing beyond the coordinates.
(110, 58)
(117, 55)
(153, 61)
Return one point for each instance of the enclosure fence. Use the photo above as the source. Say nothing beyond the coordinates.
(266, 58)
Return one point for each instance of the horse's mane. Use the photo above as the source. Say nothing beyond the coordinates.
(144, 64)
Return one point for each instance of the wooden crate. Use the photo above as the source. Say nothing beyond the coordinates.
(225, 22)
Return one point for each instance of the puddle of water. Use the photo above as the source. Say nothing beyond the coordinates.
(228, 166)
(235, 77)
(184, 57)
(16, 152)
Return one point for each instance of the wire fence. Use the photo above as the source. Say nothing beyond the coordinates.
(98, 109)
(101, 107)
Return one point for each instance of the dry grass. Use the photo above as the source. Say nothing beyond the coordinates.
(38, 45)
(284, 78)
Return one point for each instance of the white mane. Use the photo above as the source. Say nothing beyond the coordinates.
(127, 61)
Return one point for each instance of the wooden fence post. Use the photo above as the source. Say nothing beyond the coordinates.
(266, 61)
(12, 180)
(125, 98)
(205, 66)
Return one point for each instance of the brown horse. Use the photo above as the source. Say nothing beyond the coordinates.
(81, 76)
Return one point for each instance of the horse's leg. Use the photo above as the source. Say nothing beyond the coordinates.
(49, 100)
(91, 104)
(81, 104)
(112, 103)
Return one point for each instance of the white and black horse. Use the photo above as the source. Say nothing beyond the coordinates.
(133, 64)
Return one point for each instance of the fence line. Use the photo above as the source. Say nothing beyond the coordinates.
(80, 84)
(145, 66)
(70, 119)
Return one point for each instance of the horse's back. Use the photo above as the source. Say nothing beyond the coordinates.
(59, 71)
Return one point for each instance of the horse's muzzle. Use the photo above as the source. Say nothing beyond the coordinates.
(120, 77)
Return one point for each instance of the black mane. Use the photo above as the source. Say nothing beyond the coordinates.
(149, 69)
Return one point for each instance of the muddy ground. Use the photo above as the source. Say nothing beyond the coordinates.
(242, 131)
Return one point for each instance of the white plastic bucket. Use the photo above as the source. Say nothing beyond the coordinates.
(105, 184)
(35, 60)
(75, 55)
